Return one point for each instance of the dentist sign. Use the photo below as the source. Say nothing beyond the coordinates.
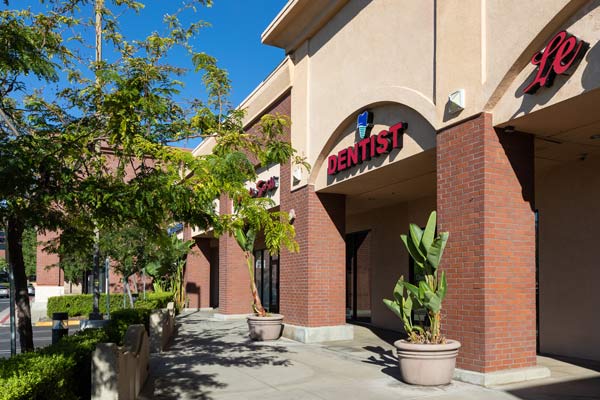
(368, 146)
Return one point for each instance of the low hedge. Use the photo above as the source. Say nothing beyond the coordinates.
(60, 371)
(63, 370)
(81, 304)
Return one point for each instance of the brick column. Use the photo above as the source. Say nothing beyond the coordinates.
(197, 274)
(485, 200)
(312, 281)
(234, 281)
(46, 275)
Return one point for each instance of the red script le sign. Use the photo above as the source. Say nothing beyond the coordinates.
(560, 54)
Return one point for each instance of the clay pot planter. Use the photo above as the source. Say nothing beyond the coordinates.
(265, 328)
(427, 364)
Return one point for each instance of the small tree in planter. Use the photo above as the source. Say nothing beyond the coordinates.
(278, 232)
(426, 357)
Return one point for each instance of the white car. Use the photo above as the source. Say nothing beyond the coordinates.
(4, 291)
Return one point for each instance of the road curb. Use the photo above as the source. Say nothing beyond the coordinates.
(72, 322)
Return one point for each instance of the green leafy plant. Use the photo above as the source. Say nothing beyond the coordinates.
(63, 370)
(81, 304)
(426, 249)
(245, 239)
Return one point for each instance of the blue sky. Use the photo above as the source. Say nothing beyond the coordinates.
(233, 38)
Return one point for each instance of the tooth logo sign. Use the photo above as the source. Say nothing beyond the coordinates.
(364, 123)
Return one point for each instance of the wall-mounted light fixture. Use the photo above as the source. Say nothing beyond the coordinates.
(456, 101)
(509, 129)
(297, 175)
(292, 215)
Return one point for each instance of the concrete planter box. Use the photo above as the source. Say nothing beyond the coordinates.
(427, 364)
(265, 328)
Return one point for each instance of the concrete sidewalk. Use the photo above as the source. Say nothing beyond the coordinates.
(214, 360)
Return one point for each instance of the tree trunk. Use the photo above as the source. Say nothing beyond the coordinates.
(129, 293)
(15, 250)
(256, 303)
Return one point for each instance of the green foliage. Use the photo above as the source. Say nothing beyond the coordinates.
(426, 249)
(30, 251)
(120, 320)
(95, 153)
(167, 267)
(81, 304)
(63, 370)
(60, 371)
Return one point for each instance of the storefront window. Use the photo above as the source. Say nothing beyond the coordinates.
(266, 274)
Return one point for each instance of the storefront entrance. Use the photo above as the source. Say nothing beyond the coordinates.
(266, 274)
(567, 194)
(358, 279)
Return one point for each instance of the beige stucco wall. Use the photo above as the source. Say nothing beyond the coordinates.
(416, 54)
(361, 57)
(584, 23)
(265, 174)
(567, 198)
(389, 258)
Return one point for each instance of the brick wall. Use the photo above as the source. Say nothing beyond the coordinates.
(485, 196)
(312, 281)
(46, 275)
(197, 274)
(235, 296)
(234, 285)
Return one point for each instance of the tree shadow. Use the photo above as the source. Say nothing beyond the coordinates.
(386, 359)
(201, 344)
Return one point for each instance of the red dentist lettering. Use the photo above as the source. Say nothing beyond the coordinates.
(367, 148)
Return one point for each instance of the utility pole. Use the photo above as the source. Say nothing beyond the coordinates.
(99, 5)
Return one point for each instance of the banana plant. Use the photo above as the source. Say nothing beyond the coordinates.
(426, 249)
(245, 239)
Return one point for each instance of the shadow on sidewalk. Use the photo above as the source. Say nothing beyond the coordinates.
(180, 372)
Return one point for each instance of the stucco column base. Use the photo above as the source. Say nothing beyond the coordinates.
(193, 309)
(43, 292)
(501, 377)
(229, 317)
(318, 334)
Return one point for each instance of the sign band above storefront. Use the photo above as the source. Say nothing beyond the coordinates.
(368, 147)
(263, 187)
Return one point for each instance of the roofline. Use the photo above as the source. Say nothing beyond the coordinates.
(298, 21)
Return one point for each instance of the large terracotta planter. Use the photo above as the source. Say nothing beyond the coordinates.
(427, 364)
(265, 328)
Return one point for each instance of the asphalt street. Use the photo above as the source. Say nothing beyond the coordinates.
(42, 336)
(3, 304)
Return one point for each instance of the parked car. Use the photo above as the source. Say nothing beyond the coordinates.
(4, 291)
(30, 290)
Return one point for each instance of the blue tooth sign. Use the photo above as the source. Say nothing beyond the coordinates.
(364, 122)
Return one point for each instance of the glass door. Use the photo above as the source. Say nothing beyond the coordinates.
(358, 276)
(266, 274)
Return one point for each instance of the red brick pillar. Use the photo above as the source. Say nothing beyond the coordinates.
(313, 281)
(47, 271)
(234, 281)
(485, 200)
(197, 274)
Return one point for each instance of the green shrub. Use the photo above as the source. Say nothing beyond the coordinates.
(63, 370)
(81, 304)
(154, 301)
(120, 320)
(60, 371)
